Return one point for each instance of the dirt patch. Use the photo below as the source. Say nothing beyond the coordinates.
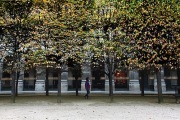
(40, 107)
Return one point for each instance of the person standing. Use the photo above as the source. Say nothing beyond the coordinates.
(87, 87)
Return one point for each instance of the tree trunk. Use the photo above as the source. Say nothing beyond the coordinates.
(159, 86)
(13, 86)
(76, 79)
(59, 86)
(142, 75)
(47, 82)
(178, 80)
(17, 80)
(110, 82)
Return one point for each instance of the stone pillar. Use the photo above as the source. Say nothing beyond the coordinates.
(107, 84)
(86, 70)
(83, 85)
(20, 85)
(20, 80)
(174, 77)
(40, 79)
(64, 83)
(134, 81)
(162, 81)
(50, 77)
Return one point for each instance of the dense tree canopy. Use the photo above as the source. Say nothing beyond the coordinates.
(60, 33)
(15, 29)
(131, 31)
(154, 29)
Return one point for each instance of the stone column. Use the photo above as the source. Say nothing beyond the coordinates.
(174, 77)
(162, 81)
(107, 84)
(20, 85)
(50, 77)
(64, 82)
(86, 70)
(40, 79)
(20, 80)
(134, 81)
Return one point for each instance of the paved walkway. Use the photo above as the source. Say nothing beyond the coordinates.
(98, 107)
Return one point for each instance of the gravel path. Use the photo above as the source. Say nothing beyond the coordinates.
(96, 108)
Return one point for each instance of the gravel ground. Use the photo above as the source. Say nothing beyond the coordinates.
(38, 107)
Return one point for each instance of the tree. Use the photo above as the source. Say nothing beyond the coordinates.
(109, 45)
(76, 71)
(63, 26)
(144, 33)
(155, 32)
(15, 31)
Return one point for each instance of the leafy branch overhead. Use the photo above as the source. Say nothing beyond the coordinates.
(61, 31)
(135, 34)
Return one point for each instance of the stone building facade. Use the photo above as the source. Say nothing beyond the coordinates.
(123, 81)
